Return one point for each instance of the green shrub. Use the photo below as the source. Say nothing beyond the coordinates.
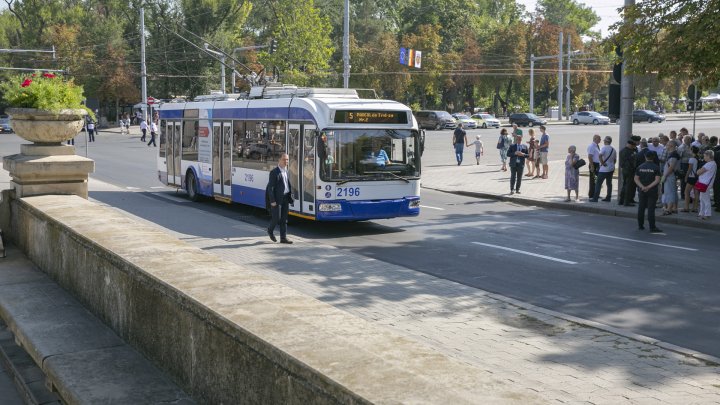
(44, 91)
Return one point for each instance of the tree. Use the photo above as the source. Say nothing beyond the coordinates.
(569, 14)
(304, 46)
(671, 37)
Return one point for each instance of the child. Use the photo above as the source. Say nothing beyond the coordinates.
(478, 148)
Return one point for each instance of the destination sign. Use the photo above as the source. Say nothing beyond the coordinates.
(370, 117)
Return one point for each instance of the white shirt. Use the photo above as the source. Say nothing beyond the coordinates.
(707, 177)
(283, 173)
(143, 125)
(610, 156)
(692, 167)
(153, 127)
(657, 149)
(91, 125)
(478, 146)
(594, 150)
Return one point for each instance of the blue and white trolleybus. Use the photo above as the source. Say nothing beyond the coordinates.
(350, 158)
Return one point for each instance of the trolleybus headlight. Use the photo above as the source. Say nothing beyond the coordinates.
(414, 203)
(330, 207)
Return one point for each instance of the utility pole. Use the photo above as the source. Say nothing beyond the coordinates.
(627, 97)
(560, 78)
(346, 45)
(627, 103)
(567, 84)
(143, 74)
(532, 83)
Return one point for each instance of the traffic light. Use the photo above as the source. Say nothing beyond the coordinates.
(273, 45)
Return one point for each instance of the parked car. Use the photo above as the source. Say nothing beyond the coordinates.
(465, 120)
(526, 119)
(485, 120)
(613, 119)
(435, 119)
(647, 116)
(589, 117)
(5, 125)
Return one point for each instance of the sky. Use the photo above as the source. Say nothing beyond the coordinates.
(605, 9)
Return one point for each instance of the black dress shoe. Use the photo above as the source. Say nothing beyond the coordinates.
(655, 230)
(642, 228)
(289, 242)
(272, 237)
(606, 199)
(629, 205)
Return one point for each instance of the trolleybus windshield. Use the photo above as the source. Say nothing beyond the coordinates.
(368, 154)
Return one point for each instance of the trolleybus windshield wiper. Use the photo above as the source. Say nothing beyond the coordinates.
(341, 182)
(391, 173)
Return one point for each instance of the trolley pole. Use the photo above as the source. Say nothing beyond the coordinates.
(567, 84)
(143, 68)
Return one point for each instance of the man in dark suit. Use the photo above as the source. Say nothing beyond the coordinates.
(278, 193)
(517, 154)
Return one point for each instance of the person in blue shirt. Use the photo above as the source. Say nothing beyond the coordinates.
(379, 155)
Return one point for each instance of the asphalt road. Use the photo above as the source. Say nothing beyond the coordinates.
(593, 267)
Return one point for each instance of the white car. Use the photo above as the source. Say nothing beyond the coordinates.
(589, 117)
(485, 120)
(465, 121)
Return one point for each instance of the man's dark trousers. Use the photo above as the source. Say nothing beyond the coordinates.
(280, 217)
(516, 173)
(607, 178)
(647, 200)
(627, 194)
(594, 167)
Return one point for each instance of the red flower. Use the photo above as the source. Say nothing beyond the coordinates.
(33, 75)
(49, 75)
(26, 83)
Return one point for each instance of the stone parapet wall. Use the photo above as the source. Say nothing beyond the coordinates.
(224, 333)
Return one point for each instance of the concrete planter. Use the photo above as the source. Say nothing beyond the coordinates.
(46, 127)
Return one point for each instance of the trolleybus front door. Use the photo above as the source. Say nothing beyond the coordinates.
(301, 149)
(308, 170)
(221, 158)
(293, 150)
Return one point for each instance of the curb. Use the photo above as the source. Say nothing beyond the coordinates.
(673, 220)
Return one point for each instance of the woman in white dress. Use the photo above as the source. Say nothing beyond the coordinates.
(706, 176)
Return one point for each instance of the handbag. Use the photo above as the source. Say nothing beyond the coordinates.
(501, 143)
(580, 163)
(701, 187)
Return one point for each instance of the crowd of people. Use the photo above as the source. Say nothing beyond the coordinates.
(685, 166)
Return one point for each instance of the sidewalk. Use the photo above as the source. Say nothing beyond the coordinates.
(701, 115)
(487, 181)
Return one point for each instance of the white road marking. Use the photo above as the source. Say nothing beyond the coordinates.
(160, 187)
(432, 208)
(640, 241)
(555, 259)
(132, 188)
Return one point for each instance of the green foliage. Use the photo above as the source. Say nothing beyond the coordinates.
(569, 14)
(42, 91)
(671, 37)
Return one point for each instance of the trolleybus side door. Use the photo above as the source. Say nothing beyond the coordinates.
(175, 159)
(172, 131)
(221, 158)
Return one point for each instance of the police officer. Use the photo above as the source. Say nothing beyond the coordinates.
(647, 178)
(627, 164)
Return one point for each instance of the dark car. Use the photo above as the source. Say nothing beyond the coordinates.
(526, 119)
(647, 116)
(435, 119)
(5, 125)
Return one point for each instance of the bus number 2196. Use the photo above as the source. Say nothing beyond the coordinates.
(348, 192)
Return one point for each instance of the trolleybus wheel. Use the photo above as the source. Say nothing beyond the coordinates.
(191, 187)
